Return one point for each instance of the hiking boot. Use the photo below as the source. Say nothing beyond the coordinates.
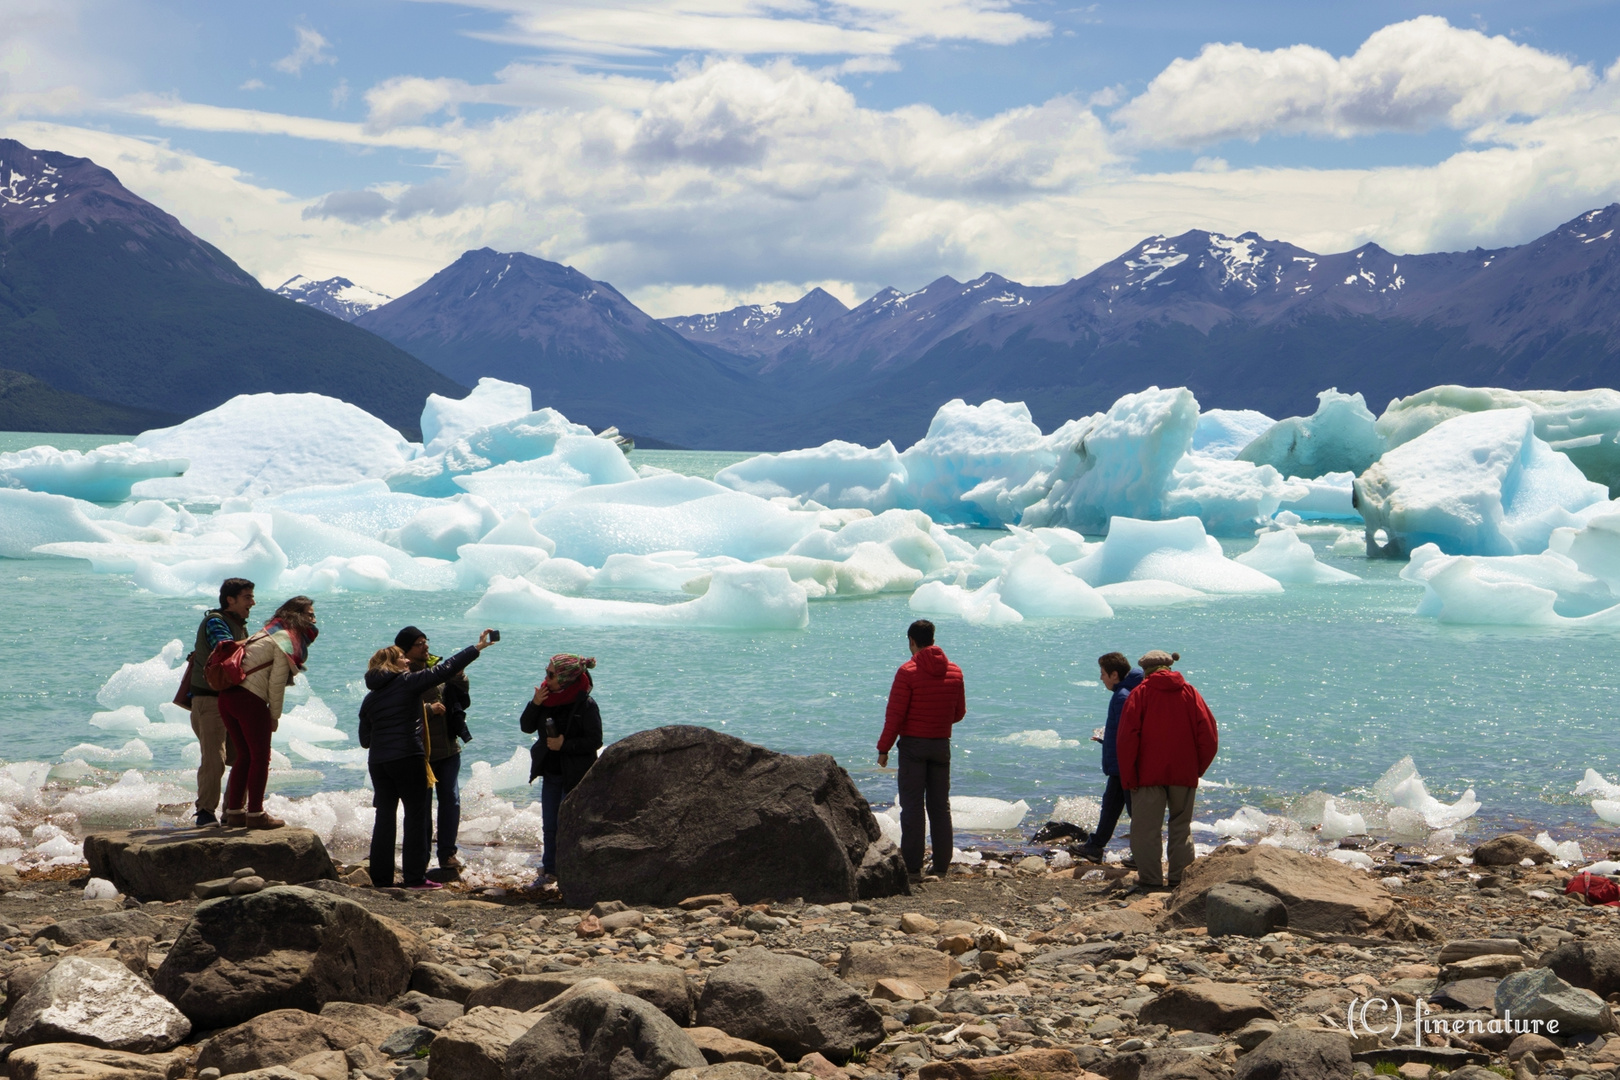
(1089, 854)
(206, 819)
(261, 820)
(451, 863)
(235, 819)
(444, 874)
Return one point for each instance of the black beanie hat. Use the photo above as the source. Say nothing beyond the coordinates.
(407, 637)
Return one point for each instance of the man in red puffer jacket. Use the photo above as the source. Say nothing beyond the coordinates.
(1167, 740)
(927, 698)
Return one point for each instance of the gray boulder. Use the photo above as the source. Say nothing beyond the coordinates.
(1538, 994)
(430, 1012)
(112, 924)
(285, 947)
(1590, 965)
(166, 864)
(439, 981)
(600, 1035)
(662, 987)
(279, 1037)
(1206, 1006)
(97, 1002)
(1237, 909)
(790, 1004)
(1510, 849)
(681, 811)
(1292, 1054)
(474, 1046)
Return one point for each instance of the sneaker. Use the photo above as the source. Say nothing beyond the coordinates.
(444, 874)
(206, 819)
(424, 886)
(1089, 854)
(451, 863)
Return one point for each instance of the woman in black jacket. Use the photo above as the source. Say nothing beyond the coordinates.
(570, 727)
(392, 726)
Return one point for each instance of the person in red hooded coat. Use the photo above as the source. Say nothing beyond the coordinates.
(926, 700)
(1167, 740)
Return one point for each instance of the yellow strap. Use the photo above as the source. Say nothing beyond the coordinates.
(427, 748)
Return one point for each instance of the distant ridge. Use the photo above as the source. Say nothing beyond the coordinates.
(337, 296)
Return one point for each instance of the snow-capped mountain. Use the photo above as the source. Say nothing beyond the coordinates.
(763, 330)
(335, 295)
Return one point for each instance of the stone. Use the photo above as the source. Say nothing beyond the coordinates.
(75, 1061)
(438, 981)
(791, 1004)
(753, 822)
(97, 1002)
(719, 1047)
(1591, 965)
(241, 886)
(865, 962)
(1049, 1064)
(323, 1065)
(1414, 1070)
(1320, 894)
(1292, 1054)
(1538, 994)
(278, 1037)
(1206, 1006)
(429, 1012)
(664, 987)
(819, 1067)
(166, 864)
(1510, 849)
(1115, 921)
(1158, 1065)
(406, 1041)
(601, 1033)
(695, 903)
(473, 1046)
(1466, 994)
(913, 923)
(1485, 966)
(372, 1024)
(729, 1070)
(622, 920)
(1255, 1032)
(1463, 948)
(1530, 1043)
(898, 990)
(285, 947)
(113, 924)
(963, 1001)
(207, 890)
(955, 944)
(1242, 911)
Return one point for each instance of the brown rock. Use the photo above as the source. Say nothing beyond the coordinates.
(719, 1047)
(1510, 849)
(167, 864)
(1320, 894)
(1049, 1064)
(955, 944)
(372, 1024)
(1531, 1043)
(73, 1061)
(913, 923)
(693, 903)
(622, 920)
(275, 1038)
(865, 962)
(589, 927)
(898, 990)
(473, 1047)
(1115, 920)
(820, 1068)
(663, 987)
(1489, 966)
(726, 1070)
(1206, 1006)
(323, 1065)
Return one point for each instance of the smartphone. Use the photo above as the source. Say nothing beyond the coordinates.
(494, 635)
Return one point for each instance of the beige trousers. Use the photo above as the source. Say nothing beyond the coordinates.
(217, 751)
(1148, 808)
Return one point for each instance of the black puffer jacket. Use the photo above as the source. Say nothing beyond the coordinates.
(580, 723)
(391, 715)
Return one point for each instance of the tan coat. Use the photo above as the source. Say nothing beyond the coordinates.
(269, 683)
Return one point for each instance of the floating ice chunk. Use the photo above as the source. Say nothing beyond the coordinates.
(1337, 826)
(1583, 424)
(133, 800)
(492, 401)
(664, 571)
(1138, 594)
(670, 513)
(738, 598)
(869, 568)
(259, 559)
(366, 507)
(1569, 851)
(1042, 739)
(1607, 809)
(479, 564)
(1223, 433)
(22, 786)
(1359, 859)
(978, 464)
(1593, 547)
(355, 758)
(1177, 551)
(1248, 821)
(517, 530)
(1036, 587)
(1230, 497)
(1341, 436)
(981, 606)
(133, 750)
(1403, 788)
(312, 722)
(907, 533)
(889, 826)
(444, 525)
(104, 475)
(1284, 556)
(1077, 810)
(970, 813)
(1330, 495)
(264, 444)
(1477, 484)
(356, 563)
(576, 461)
(1508, 590)
(563, 576)
(29, 519)
(149, 683)
(1595, 783)
(838, 474)
(510, 775)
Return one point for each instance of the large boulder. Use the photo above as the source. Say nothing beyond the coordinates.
(602, 1034)
(1242, 911)
(1590, 965)
(75, 1061)
(1510, 849)
(679, 811)
(285, 947)
(1539, 995)
(790, 1004)
(866, 962)
(275, 1038)
(1206, 1006)
(1292, 1054)
(1320, 894)
(664, 988)
(97, 1002)
(474, 1046)
(166, 864)
(111, 924)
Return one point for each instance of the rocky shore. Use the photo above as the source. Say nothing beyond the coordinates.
(1251, 969)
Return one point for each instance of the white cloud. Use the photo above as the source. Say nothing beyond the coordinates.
(253, 84)
(312, 48)
(1410, 76)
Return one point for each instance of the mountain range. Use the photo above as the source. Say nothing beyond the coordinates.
(111, 312)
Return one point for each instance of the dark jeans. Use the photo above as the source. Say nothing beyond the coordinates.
(1115, 798)
(551, 797)
(448, 772)
(395, 782)
(925, 782)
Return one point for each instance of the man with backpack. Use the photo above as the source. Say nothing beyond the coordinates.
(445, 715)
(228, 622)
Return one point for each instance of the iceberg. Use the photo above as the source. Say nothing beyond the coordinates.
(443, 525)
(492, 401)
(1178, 552)
(1229, 497)
(1403, 789)
(1330, 495)
(738, 598)
(105, 475)
(1032, 586)
(908, 534)
(1337, 826)
(1284, 556)
(1508, 590)
(576, 461)
(868, 569)
(837, 473)
(29, 519)
(149, 683)
(1341, 436)
(1223, 433)
(561, 455)
(366, 507)
(1476, 484)
(978, 464)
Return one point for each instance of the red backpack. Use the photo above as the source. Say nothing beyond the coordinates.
(224, 667)
(1597, 890)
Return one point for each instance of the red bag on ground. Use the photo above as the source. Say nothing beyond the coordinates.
(1597, 890)
(224, 668)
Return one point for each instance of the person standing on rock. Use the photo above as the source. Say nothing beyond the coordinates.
(1120, 679)
(566, 717)
(228, 622)
(1167, 740)
(926, 700)
(271, 661)
(446, 718)
(393, 728)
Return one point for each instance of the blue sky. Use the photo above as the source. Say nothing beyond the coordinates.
(699, 153)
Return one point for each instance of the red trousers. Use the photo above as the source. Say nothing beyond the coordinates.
(247, 722)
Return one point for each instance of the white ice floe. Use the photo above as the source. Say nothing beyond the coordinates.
(1330, 495)
(973, 814)
(1178, 552)
(1359, 859)
(492, 401)
(1476, 484)
(1548, 589)
(837, 473)
(1223, 433)
(29, 519)
(149, 683)
(1039, 739)
(1337, 826)
(444, 525)
(1569, 851)
(1341, 436)
(1287, 558)
(133, 750)
(1402, 787)
(1032, 586)
(105, 475)
(738, 598)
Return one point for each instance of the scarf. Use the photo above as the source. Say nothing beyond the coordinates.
(298, 641)
(570, 691)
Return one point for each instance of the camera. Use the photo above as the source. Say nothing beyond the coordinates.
(494, 635)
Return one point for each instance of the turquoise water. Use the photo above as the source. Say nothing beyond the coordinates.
(22, 440)
(1320, 688)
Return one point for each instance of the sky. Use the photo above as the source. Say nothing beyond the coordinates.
(699, 154)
